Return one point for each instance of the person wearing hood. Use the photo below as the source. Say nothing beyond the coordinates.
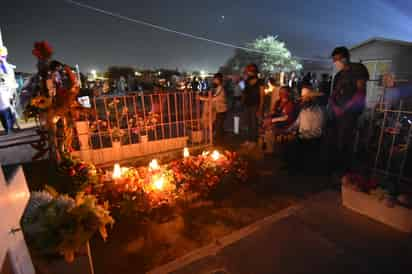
(253, 100)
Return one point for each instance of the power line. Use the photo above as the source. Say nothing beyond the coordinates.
(166, 29)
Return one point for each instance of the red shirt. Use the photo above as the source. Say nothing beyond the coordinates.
(289, 109)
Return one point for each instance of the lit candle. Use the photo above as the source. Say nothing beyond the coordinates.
(154, 165)
(215, 155)
(205, 153)
(186, 152)
(117, 172)
(158, 184)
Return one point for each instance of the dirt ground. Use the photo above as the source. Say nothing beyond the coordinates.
(136, 246)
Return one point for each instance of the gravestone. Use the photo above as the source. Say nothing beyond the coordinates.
(14, 195)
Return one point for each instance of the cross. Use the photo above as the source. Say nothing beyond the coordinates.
(14, 196)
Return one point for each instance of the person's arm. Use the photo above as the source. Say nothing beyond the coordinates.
(261, 100)
(338, 111)
(280, 119)
(359, 97)
(295, 126)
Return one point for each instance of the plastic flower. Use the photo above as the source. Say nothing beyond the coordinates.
(37, 200)
(42, 50)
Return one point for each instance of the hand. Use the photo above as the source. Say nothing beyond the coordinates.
(338, 111)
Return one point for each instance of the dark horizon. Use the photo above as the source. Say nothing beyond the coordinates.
(95, 41)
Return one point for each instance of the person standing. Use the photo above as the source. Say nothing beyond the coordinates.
(253, 101)
(346, 103)
(237, 95)
(7, 85)
(195, 84)
(220, 106)
(324, 87)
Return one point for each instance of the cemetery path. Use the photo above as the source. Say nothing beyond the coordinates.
(320, 237)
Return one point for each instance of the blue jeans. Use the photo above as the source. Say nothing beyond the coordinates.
(6, 118)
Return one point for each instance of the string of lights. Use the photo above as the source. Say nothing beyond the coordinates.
(180, 33)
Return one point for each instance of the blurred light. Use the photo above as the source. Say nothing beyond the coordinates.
(186, 152)
(159, 183)
(215, 155)
(117, 172)
(154, 165)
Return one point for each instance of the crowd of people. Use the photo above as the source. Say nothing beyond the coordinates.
(322, 116)
(317, 112)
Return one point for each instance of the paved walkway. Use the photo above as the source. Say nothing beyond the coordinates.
(319, 237)
(15, 148)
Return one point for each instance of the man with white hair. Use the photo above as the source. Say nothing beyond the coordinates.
(309, 126)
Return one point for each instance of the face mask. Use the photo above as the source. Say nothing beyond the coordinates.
(339, 65)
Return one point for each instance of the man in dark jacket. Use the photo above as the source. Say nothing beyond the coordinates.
(346, 103)
(253, 100)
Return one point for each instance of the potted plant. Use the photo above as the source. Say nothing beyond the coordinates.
(117, 135)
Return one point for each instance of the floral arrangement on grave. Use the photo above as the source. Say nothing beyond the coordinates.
(58, 224)
(145, 189)
(76, 175)
(139, 124)
(382, 190)
(51, 98)
(117, 134)
(211, 172)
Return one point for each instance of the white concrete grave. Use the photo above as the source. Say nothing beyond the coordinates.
(14, 196)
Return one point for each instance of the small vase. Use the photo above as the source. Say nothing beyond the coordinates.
(196, 136)
(116, 144)
(82, 128)
(144, 138)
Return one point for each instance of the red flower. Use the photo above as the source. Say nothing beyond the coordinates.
(72, 77)
(72, 172)
(42, 50)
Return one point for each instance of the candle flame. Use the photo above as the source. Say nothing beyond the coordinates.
(186, 152)
(205, 153)
(117, 171)
(159, 183)
(215, 155)
(154, 165)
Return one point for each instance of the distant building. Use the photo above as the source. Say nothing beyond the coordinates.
(317, 67)
(382, 56)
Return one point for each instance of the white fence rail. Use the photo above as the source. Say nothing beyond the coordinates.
(139, 124)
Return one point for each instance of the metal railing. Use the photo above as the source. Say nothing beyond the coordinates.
(387, 134)
(141, 117)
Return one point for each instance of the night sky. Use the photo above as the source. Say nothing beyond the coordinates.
(94, 41)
